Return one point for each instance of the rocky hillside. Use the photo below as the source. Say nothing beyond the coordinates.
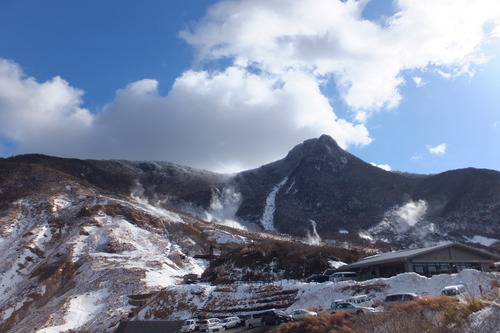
(318, 191)
(348, 198)
(86, 243)
(77, 254)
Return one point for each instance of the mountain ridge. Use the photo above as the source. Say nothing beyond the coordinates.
(318, 183)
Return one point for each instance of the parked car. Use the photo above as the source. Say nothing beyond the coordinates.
(254, 320)
(329, 271)
(343, 276)
(206, 323)
(190, 325)
(351, 308)
(393, 299)
(335, 302)
(275, 317)
(266, 317)
(318, 278)
(215, 328)
(230, 322)
(360, 300)
(301, 313)
(454, 291)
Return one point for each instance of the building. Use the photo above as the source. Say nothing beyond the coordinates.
(439, 259)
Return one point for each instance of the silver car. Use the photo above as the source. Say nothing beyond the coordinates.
(301, 313)
(351, 308)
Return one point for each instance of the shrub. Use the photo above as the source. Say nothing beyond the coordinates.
(323, 323)
(459, 314)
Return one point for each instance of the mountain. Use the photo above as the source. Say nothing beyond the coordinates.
(317, 190)
(80, 250)
(87, 243)
(348, 198)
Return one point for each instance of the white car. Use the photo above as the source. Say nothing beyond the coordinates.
(215, 329)
(206, 323)
(301, 313)
(454, 291)
(230, 322)
(190, 325)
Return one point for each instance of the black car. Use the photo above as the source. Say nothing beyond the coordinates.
(275, 317)
(318, 278)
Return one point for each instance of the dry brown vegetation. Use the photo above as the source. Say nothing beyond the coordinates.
(432, 315)
(271, 259)
(323, 323)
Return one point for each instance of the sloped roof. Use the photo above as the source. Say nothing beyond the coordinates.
(408, 254)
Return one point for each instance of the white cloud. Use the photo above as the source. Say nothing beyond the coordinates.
(268, 99)
(419, 82)
(385, 167)
(416, 157)
(220, 121)
(437, 150)
(41, 116)
(329, 38)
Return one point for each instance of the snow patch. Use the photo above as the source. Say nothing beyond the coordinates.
(267, 219)
(79, 310)
(60, 203)
(366, 235)
(222, 237)
(482, 240)
(336, 264)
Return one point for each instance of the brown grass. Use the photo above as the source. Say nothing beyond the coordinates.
(323, 323)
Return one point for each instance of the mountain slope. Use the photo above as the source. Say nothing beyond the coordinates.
(67, 245)
(317, 190)
(344, 196)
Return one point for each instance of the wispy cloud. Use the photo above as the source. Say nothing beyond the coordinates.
(419, 82)
(416, 157)
(437, 150)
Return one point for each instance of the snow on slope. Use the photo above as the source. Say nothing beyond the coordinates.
(267, 219)
(74, 260)
(71, 260)
(185, 301)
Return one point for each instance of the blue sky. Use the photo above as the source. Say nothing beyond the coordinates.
(230, 85)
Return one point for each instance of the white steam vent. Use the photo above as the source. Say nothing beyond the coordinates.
(313, 238)
(409, 215)
(223, 207)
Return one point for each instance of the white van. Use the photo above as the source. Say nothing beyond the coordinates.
(360, 300)
(343, 276)
(254, 320)
(453, 291)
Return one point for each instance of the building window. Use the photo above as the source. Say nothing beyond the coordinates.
(430, 269)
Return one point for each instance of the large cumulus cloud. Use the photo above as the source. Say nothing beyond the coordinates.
(273, 60)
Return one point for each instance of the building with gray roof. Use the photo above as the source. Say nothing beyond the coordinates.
(438, 259)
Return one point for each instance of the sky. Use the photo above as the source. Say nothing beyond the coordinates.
(407, 85)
